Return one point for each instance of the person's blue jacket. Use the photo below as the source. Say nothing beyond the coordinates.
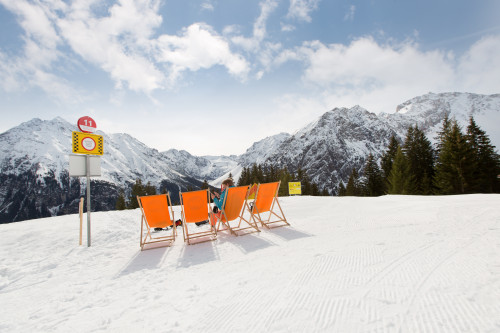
(220, 201)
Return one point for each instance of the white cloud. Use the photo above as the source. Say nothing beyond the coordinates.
(301, 9)
(380, 76)
(207, 6)
(198, 47)
(253, 44)
(9, 74)
(231, 30)
(287, 27)
(365, 63)
(34, 66)
(479, 67)
(264, 51)
(118, 43)
(349, 16)
(118, 38)
(259, 28)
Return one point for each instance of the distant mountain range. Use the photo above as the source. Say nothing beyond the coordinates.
(34, 180)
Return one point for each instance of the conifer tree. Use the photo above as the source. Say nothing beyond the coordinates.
(272, 175)
(137, 190)
(342, 190)
(204, 185)
(300, 175)
(324, 192)
(314, 190)
(120, 201)
(400, 179)
(306, 185)
(456, 164)
(488, 161)
(388, 157)
(255, 174)
(441, 137)
(260, 174)
(353, 187)
(285, 177)
(420, 156)
(243, 180)
(374, 183)
(149, 189)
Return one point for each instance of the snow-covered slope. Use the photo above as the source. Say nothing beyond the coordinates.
(47, 145)
(429, 110)
(262, 149)
(44, 144)
(346, 264)
(200, 167)
(258, 153)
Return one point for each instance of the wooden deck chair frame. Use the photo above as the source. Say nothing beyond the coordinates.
(156, 212)
(266, 200)
(234, 206)
(196, 208)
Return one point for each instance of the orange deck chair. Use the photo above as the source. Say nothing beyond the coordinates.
(156, 213)
(234, 207)
(266, 201)
(196, 208)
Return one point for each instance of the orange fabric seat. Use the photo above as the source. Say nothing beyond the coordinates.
(234, 206)
(156, 213)
(266, 201)
(196, 208)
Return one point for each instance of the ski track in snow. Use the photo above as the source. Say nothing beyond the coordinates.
(387, 264)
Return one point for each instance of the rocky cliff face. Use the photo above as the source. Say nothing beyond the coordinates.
(330, 147)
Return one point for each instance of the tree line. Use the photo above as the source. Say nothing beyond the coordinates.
(138, 189)
(459, 163)
(259, 173)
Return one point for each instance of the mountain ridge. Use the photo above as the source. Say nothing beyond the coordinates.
(34, 154)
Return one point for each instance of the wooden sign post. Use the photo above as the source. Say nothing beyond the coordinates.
(80, 211)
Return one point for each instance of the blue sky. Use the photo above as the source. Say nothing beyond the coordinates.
(214, 76)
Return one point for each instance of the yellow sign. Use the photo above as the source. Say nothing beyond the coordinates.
(86, 143)
(294, 188)
(251, 192)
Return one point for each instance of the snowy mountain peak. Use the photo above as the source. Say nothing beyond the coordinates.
(34, 170)
(34, 155)
(262, 149)
(428, 111)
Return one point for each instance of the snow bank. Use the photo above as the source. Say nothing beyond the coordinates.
(388, 264)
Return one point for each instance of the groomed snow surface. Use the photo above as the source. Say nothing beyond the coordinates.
(347, 264)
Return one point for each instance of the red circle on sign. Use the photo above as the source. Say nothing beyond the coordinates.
(87, 124)
(88, 143)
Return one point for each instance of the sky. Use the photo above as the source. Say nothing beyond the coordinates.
(214, 76)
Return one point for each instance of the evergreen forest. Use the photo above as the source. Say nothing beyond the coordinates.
(459, 163)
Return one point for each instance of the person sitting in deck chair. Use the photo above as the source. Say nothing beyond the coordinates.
(219, 198)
